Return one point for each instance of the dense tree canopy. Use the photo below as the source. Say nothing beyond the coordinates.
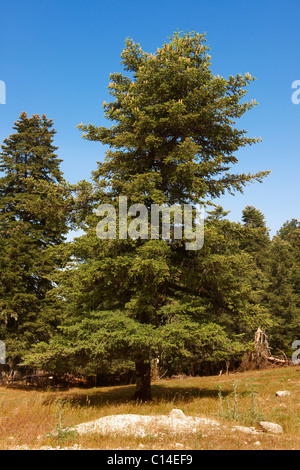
(172, 141)
(107, 304)
(34, 214)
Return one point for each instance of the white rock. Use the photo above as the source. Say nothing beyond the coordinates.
(257, 443)
(271, 427)
(245, 429)
(282, 393)
(143, 425)
(176, 413)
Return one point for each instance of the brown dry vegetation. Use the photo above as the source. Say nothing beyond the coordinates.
(26, 416)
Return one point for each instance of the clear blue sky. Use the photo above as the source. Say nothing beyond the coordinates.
(56, 57)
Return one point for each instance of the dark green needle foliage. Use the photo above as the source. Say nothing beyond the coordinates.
(34, 212)
(172, 140)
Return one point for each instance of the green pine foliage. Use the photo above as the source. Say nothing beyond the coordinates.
(284, 289)
(121, 302)
(34, 214)
(173, 141)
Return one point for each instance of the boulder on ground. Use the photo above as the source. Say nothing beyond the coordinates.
(271, 427)
(282, 393)
(176, 413)
(245, 429)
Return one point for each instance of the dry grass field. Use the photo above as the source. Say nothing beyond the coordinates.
(28, 416)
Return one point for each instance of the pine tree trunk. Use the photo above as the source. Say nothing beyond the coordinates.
(143, 381)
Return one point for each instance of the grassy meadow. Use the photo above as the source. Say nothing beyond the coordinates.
(27, 416)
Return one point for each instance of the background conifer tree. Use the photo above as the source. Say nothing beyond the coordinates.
(35, 207)
(284, 288)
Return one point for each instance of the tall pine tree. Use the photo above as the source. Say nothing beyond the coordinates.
(35, 207)
(173, 141)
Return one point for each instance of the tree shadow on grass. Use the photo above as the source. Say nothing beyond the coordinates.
(123, 394)
(184, 394)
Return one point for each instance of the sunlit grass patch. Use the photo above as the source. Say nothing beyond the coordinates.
(27, 418)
